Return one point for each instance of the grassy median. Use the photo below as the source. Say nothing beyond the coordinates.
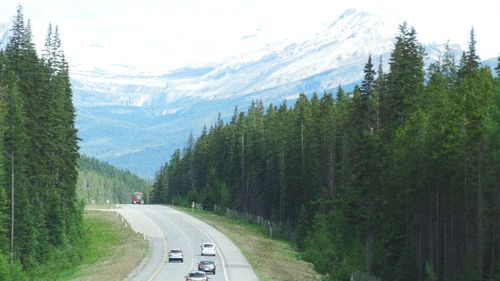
(112, 250)
(271, 259)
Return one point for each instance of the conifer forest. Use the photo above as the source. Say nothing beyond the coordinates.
(40, 219)
(397, 179)
(99, 182)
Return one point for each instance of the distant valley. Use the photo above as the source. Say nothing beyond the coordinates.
(135, 118)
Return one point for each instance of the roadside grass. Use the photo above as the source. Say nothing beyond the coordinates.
(112, 250)
(271, 259)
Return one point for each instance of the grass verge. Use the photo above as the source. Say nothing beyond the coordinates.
(271, 259)
(112, 250)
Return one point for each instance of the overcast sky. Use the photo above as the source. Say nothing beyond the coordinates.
(174, 33)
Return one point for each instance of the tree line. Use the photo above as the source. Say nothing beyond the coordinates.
(398, 179)
(39, 214)
(99, 182)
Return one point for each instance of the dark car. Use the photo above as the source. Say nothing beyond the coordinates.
(207, 266)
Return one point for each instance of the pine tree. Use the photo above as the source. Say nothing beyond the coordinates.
(448, 66)
(472, 57)
(379, 95)
(368, 82)
(15, 142)
(4, 241)
(405, 79)
(470, 60)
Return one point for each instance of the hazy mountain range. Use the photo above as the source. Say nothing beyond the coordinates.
(135, 119)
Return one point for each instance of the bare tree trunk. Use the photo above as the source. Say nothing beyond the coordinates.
(494, 240)
(12, 202)
(282, 185)
(445, 247)
(368, 251)
(479, 234)
(437, 259)
(330, 169)
(302, 146)
(333, 159)
(243, 161)
(465, 210)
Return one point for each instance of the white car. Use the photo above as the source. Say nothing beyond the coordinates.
(208, 249)
(175, 254)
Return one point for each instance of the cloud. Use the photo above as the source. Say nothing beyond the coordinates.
(170, 33)
(249, 36)
(94, 45)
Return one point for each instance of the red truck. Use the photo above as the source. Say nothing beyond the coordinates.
(137, 198)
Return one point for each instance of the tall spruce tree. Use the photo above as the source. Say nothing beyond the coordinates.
(4, 227)
(470, 60)
(368, 82)
(405, 80)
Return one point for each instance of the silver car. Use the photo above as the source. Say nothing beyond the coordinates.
(197, 275)
(175, 254)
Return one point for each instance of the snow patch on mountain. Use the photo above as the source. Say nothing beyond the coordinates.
(149, 114)
(135, 118)
(344, 45)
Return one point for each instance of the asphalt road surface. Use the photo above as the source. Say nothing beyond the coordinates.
(166, 229)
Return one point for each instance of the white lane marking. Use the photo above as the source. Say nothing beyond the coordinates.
(211, 240)
(164, 252)
(188, 241)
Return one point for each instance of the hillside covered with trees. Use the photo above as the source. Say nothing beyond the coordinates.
(40, 219)
(398, 179)
(99, 182)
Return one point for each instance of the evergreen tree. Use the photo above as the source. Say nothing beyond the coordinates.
(405, 79)
(470, 60)
(368, 82)
(40, 145)
(4, 227)
(379, 94)
(472, 57)
(397, 179)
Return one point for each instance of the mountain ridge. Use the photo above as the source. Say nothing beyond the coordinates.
(162, 110)
(135, 118)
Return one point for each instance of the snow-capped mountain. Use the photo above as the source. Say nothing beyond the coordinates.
(135, 119)
(343, 47)
(130, 118)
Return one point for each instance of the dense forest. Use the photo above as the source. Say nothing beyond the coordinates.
(99, 182)
(39, 215)
(398, 179)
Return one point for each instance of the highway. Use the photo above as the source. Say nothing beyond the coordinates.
(166, 228)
